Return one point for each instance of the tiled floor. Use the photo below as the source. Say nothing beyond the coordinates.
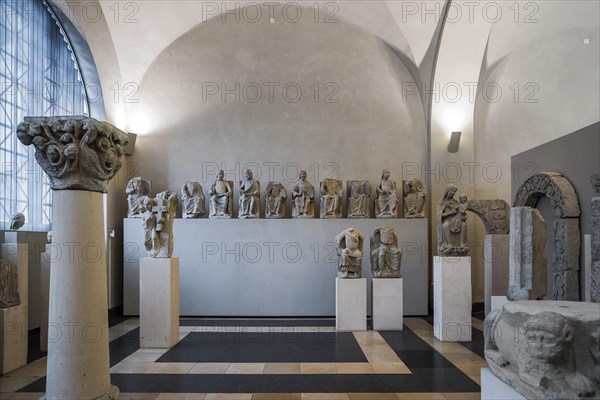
(282, 359)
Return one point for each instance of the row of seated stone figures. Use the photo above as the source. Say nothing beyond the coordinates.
(385, 253)
(386, 200)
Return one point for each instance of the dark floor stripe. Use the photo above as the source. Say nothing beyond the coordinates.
(283, 323)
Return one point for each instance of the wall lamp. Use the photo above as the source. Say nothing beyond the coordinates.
(128, 150)
(454, 142)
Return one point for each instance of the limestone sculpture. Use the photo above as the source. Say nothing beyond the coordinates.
(192, 197)
(158, 224)
(350, 244)
(76, 153)
(493, 213)
(386, 198)
(138, 190)
(359, 193)
(415, 196)
(452, 224)
(17, 221)
(9, 281)
(595, 284)
(303, 197)
(527, 271)
(275, 200)
(545, 349)
(221, 196)
(385, 253)
(331, 198)
(249, 196)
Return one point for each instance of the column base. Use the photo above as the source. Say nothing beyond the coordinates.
(351, 304)
(388, 311)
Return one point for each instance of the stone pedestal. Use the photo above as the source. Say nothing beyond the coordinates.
(387, 304)
(498, 302)
(78, 357)
(496, 256)
(13, 338)
(492, 388)
(452, 298)
(159, 302)
(44, 298)
(351, 304)
(18, 254)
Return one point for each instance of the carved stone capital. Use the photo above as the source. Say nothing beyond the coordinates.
(77, 153)
(493, 213)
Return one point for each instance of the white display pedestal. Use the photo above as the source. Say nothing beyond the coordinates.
(159, 302)
(351, 304)
(386, 295)
(492, 388)
(452, 303)
(498, 302)
(17, 254)
(496, 256)
(44, 298)
(13, 338)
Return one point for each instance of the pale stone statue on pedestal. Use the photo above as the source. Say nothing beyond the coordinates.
(9, 285)
(331, 198)
(138, 190)
(385, 253)
(386, 198)
(249, 196)
(545, 349)
(192, 197)
(350, 244)
(359, 193)
(221, 195)
(452, 224)
(17, 221)
(275, 200)
(158, 224)
(303, 197)
(415, 196)
(595, 286)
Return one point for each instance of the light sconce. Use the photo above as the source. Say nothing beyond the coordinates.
(454, 142)
(128, 149)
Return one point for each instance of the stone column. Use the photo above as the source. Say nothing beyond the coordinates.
(80, 155)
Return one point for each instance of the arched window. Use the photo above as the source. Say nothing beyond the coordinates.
(39, 77)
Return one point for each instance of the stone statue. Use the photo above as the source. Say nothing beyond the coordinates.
(452, 224)
(303, 196)
(158, 224)
(331, 198)
(138, 190)
(545, 349)
(17, 221)
(9, 285)
(349, 243)
(359, 193)
(249, 196)
(385, 253)
(415, 196)
(192, 197)
(221, 195)
(275, 200)
(386, 199)
(77, 153)
(595, 286)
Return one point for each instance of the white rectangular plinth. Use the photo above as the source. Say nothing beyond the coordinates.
(452, 299)
(44, 299)
(351, 304)
(13, 338)
(387, 304)
(17, 254)
(492, 388)
(159, 302)
(498, 302)
(496, 256)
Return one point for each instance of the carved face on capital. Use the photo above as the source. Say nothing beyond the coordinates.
(103, 155)
(546, 337)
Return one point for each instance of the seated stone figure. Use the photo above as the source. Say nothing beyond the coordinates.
(415, 196)
(349, 243)
(192, 197)
(158, 224)
(221, 195)
(9, 285)
(359, 193)
(303, 196)
(386, 198)
(385, 253)
(331, 198)
(275, 200)
(137, 191)
(249, 196)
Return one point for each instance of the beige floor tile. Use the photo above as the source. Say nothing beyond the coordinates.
(462, 396)
(276, 396)
(172, 368)
(390, 368)
(144, 356)
(133, 368)
(477, 323)
(382, 358)
(281, 368)
(10, 384)
(325, 396)
(369, 337)
(420, 396)
(138, 396)
(372, 396)
(181, 396)
(209, 368)
(228, 396)
(318, 368)
(476, 379)
(354, 368)
(36, 368)
(246, 368)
